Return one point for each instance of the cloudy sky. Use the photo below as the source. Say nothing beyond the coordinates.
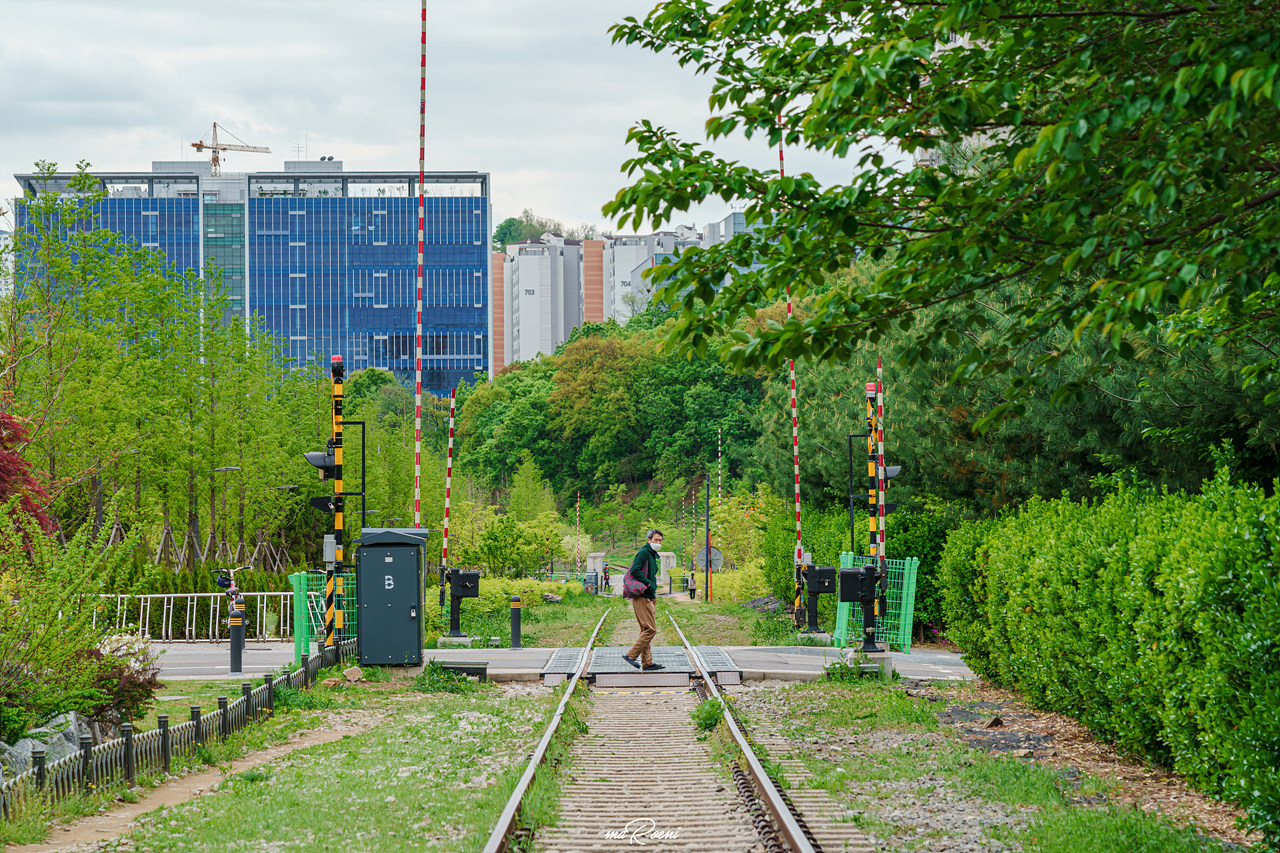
(532, 92)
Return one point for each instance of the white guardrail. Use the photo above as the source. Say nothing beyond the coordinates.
(186, 616)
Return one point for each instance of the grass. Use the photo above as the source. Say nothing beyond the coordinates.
(540, 806)
(34, 814)
(872, 708)
(433, 775)
(185, 694)
(434, 678)
(727, 624)
(567, 624)
(1112, 830)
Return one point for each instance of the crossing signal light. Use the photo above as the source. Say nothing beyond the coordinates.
(323, 460)
(888, 472)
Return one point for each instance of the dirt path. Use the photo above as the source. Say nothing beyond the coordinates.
(87, 833)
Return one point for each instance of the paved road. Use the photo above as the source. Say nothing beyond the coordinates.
(212, 661)
(209, 661)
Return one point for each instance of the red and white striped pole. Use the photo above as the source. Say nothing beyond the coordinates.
(791, 370)
(448, 481)
(417, 311)
(684, 532)
(719, 465)
(577, 534)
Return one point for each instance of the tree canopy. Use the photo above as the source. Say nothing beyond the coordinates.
(1118, 171)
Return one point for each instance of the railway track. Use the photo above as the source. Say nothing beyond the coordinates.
(639, 778)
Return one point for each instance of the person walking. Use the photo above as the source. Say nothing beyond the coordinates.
(644, 568)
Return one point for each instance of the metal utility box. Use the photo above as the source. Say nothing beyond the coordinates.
(858, 584)
(389, 570)
(464, 584)
(820, 579)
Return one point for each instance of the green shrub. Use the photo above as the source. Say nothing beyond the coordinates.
(1152, 618)
(50, 662)
(707, 715)
(292, 698)
(489, 615)
(741, 585)
(434, 678)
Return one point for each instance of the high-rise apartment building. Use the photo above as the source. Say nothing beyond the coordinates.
(626, 292)
(544, 294)
(327, 258)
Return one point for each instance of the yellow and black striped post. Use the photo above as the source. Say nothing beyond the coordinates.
(333, 582)
(873, 493)
(237, 636)
(869, 603)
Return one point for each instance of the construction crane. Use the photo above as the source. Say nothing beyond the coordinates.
(215, 146)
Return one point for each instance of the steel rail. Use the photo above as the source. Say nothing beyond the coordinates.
(501, 835)
(788, 827)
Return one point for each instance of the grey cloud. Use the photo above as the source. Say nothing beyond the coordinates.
(534, 93)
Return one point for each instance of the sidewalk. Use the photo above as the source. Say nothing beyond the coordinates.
(205, 661)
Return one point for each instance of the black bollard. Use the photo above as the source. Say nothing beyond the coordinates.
(199, 726)
(37, 761)
(130, 757)
(516, 605)
(166, 742)
(237, 637)
(86, 762)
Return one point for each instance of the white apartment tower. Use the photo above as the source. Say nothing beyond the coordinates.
(543, 281)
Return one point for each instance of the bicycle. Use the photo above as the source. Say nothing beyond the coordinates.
(226, 579)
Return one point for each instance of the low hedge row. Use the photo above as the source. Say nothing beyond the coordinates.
(1153, 618)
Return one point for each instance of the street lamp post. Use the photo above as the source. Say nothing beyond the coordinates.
(225, 470)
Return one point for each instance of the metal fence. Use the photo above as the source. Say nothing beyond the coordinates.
(895, 624)
(121, 759)
(192, 616)
(309, 605)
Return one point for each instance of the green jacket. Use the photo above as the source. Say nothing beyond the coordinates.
(644, 568)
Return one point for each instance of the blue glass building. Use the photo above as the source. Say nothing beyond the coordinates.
(327, 258)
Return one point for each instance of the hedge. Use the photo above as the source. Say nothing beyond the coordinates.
(1153, 618)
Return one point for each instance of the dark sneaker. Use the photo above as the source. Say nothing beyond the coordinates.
(652, 667)
(632, 661)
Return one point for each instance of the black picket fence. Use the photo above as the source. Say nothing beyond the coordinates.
(122, 758)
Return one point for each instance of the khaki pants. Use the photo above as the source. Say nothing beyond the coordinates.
(646, 615)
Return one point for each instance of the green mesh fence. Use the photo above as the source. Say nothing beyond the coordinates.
(895, 625)
(308, 610)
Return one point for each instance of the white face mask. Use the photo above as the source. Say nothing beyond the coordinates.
(656, 546)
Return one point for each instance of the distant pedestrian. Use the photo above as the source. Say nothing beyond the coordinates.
(644, 568)
(607, 587)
